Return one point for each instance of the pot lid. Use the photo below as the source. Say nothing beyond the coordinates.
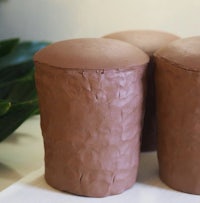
(147, 40)
(91, 53)
(184, 52)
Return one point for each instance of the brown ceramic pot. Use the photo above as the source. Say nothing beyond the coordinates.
(91, 94)
(178, 111)
(149, 41)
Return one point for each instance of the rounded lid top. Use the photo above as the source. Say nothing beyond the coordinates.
(91, 53)
(184, 52)
(147, 40)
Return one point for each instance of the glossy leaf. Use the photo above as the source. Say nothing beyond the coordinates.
(4, 106)
(16, 115)
(19, 61)
(6, 46)
(19, 89)
(18, 97)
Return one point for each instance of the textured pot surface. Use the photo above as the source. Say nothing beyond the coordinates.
(178, 113)
(149, 41)
(91, 106)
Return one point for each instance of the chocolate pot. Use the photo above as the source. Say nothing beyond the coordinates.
(178, 114)
(91, 94)
(149, 41)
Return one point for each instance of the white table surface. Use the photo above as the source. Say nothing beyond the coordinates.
(22, 180)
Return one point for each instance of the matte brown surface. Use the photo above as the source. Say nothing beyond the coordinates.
(91, 123)
(178, 112)
(149, 41)
(92, 53)
(184, 53)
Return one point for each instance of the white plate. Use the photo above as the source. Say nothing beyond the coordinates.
(33, 189)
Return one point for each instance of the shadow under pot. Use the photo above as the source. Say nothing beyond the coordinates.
(149, 41)
(178, 113)
(91, 94)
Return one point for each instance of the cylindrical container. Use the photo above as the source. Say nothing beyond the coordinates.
(149, 41)
(91, 94)
(178, 113)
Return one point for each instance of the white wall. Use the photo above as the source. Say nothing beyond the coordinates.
(62, 19)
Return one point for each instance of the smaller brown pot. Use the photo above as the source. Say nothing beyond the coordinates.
(149, 41)
(178, 112)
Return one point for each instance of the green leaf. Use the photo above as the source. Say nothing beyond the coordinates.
(7, 45)
(18, 97)
(20, 89)
(4, 106)
(19, 62)
(16, 115)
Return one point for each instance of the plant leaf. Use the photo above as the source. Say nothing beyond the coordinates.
(7, 45)
(18, 97)
(15, 116)
(4, 106)
(20, 89)
(19, 61)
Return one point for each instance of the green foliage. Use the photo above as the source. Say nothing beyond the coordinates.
(18, 96)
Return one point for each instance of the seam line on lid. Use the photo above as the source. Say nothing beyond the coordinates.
(127, 68)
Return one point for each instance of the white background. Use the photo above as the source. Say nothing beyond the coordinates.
(55, 20)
